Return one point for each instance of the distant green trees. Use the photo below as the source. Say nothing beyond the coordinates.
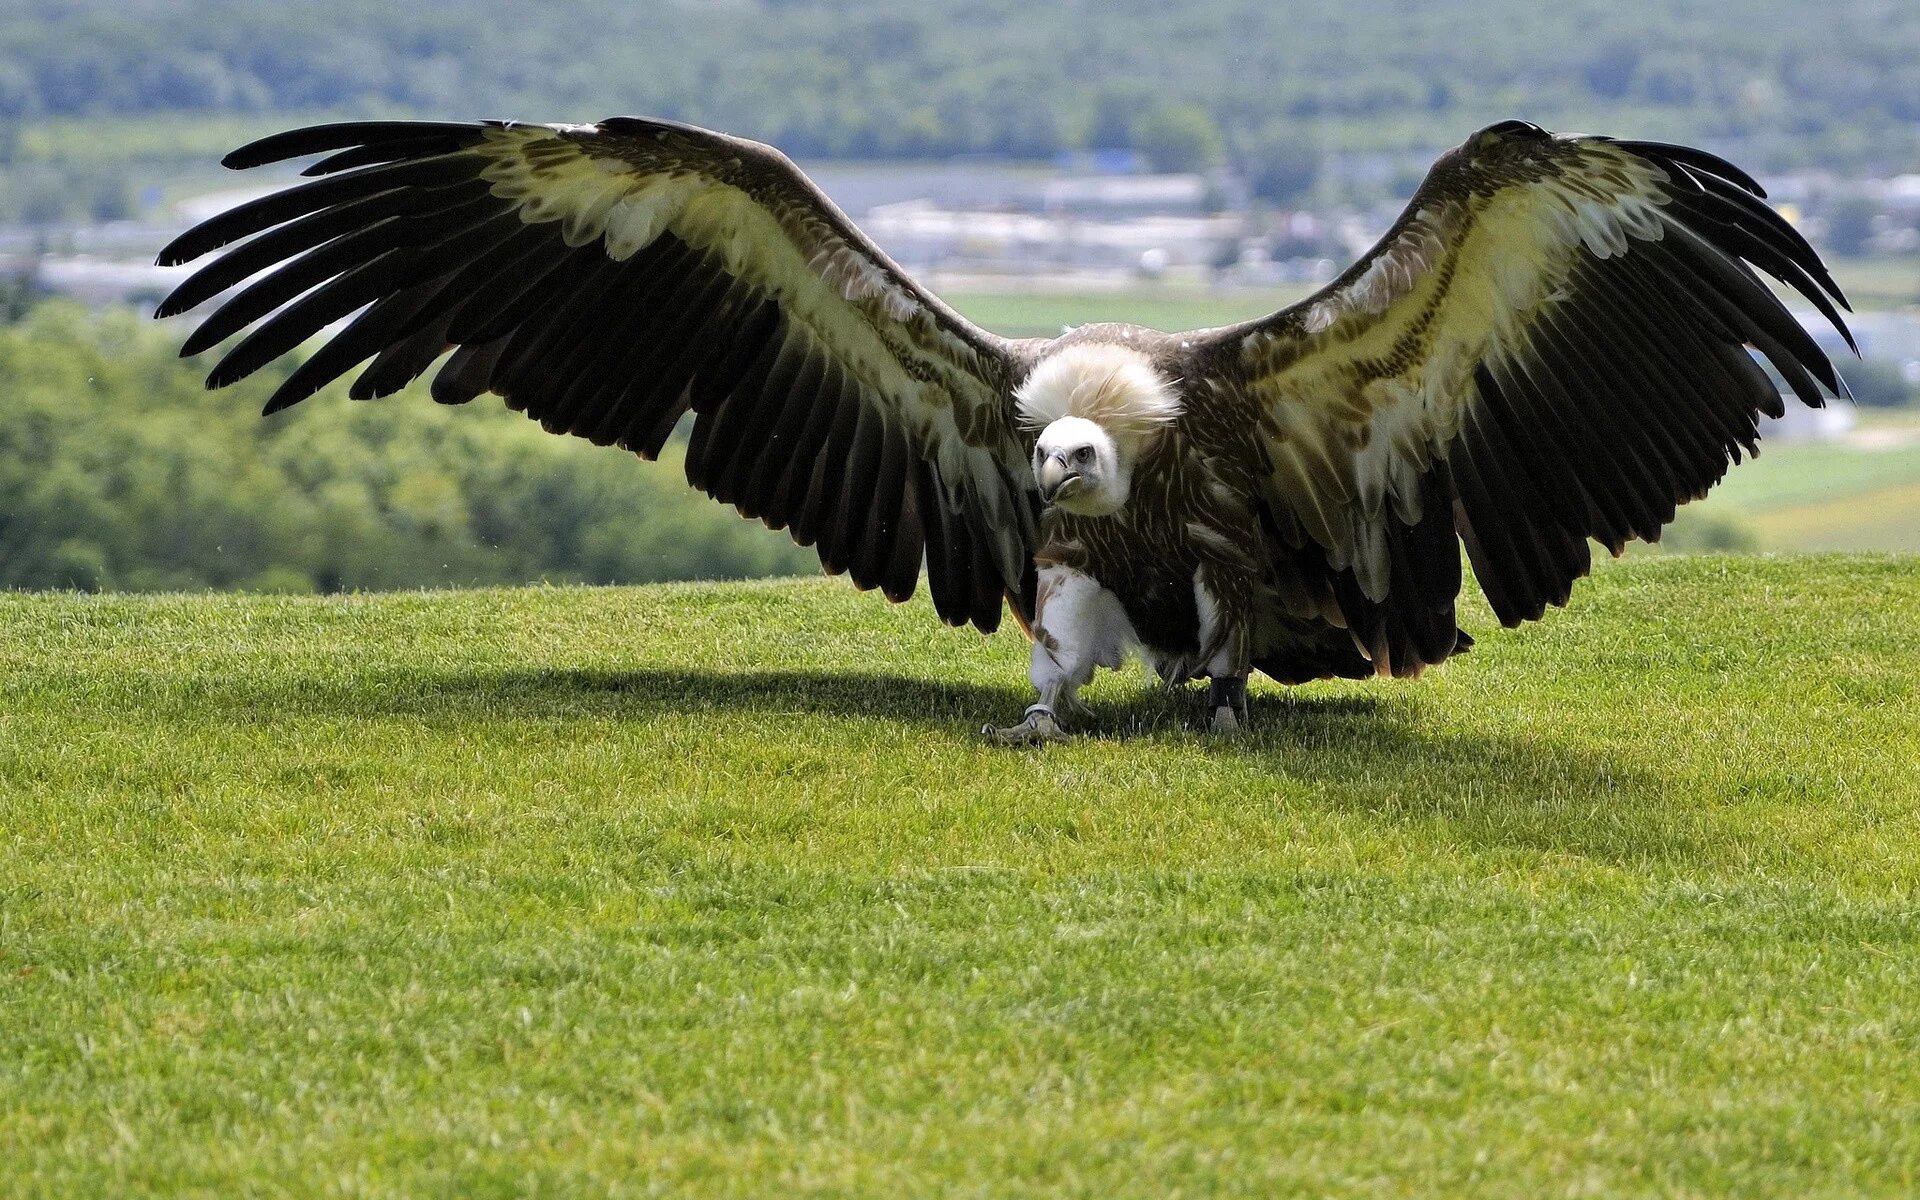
(1177, 137)
(1789, 82)
(1280, 164)
(118, 470)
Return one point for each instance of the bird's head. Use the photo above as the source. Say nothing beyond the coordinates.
(1096, 407)
(1077, 466)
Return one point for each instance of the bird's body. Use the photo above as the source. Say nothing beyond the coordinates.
(1186, 557)
(1188, 570)
(1547, 348)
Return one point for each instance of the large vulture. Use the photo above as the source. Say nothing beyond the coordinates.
(1549, 346)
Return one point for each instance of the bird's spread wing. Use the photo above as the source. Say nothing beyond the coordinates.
(606, 278)
(1549, 346)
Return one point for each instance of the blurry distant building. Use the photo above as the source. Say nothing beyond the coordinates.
(1089, 219)
(1803, 424)
(96, 280)
(1009, 219)
(920, 233)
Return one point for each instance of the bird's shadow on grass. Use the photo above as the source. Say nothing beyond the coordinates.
(1371, 756)
(900, 699)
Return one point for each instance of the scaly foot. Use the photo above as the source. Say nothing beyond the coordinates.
(1038, 729)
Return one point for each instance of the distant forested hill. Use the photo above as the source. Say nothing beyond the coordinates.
(1836, 82)
(119, 471)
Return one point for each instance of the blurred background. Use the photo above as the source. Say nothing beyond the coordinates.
(1177, 164)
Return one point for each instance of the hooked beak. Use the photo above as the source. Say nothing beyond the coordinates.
(1055, 479)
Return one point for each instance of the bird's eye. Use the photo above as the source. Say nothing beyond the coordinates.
(1083, 455)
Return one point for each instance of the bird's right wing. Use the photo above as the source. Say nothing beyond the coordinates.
(1549, 346)
(606, 278)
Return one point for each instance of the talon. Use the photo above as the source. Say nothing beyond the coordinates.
(1039, 728)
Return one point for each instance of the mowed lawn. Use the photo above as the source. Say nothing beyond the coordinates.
(714, 890)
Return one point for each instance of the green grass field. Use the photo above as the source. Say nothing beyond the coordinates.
(1172, 307)
(1869, 284)
(713, 890)
(1859, 494)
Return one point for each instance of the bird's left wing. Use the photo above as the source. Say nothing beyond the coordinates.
(1548, 346)
(606, 278)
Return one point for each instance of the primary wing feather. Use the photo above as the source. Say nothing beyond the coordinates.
(1549, 346)
(607, 278)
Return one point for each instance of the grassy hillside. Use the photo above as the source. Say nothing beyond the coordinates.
(713, 890)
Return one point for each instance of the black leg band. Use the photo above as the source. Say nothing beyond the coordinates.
(1228, 691)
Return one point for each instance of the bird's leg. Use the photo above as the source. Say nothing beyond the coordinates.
(1056, 682)
(1072, 634)
(1224, 634)
(1227, 701)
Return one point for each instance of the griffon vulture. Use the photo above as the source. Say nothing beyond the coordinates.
(1549, 346)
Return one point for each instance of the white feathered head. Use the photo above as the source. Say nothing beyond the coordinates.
(1096, 406)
